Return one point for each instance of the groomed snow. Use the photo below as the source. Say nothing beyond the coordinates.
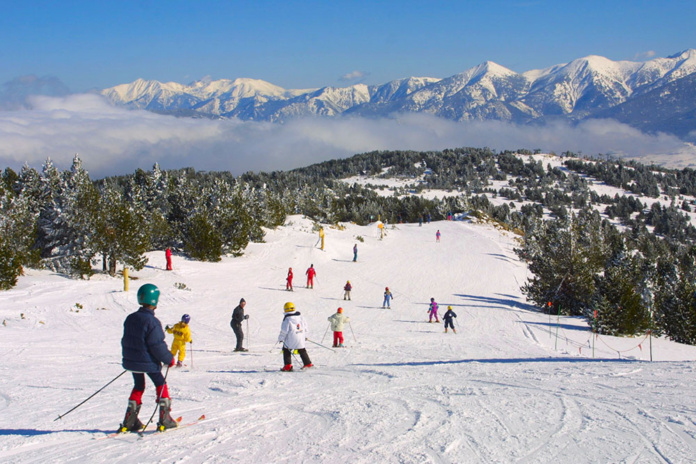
(513, 385)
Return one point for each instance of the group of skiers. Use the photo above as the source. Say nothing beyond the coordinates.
(144, 349)
(448, 317)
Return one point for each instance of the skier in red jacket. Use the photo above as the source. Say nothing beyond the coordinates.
(288, 285)
(310, 276)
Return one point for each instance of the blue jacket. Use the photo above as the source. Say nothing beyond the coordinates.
(143, 344)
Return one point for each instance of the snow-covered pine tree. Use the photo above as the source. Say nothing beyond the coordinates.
(675, 297)
(150, 191)
(564, 256)
(17, 235)
(620, 305)
(69, 202)
(121, 232)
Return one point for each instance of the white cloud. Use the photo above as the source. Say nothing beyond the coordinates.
(353, 76)
(645, 55)
(113, 140)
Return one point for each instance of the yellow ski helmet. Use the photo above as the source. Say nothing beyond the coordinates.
(449, 307)
(289, 307)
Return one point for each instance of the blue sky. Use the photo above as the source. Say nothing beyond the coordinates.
(300, 45)
(307, 44)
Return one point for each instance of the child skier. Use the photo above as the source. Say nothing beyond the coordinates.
(347, 288)
(337, 320)
(288, 285)
(182, 335)
(311, 272)
(293, 334)
(387, 298)
(433, 311)
(144, 351)
(355, 252)
(437, 235)
(168, 256)
(449, 319)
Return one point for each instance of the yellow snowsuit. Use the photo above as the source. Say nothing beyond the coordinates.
(182, 335)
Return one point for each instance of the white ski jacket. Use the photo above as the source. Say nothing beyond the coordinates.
(293, 331)
(337, 320)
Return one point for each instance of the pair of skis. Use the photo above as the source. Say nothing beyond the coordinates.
(148, 432)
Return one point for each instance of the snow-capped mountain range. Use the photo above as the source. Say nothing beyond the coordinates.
(592, 86)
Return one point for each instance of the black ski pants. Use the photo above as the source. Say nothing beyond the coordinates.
(239, 334)
(303, 354)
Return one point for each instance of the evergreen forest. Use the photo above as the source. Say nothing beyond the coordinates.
(625, 262)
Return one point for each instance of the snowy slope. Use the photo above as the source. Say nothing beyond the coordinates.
(513, 385)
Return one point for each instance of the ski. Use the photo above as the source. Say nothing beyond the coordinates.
(301, 369)
(150, 431)
(200, 419)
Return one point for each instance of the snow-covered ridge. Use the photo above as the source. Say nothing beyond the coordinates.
(487, 91)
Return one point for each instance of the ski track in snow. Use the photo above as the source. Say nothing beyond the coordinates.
(502, 389)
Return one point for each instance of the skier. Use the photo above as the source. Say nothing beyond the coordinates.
(449, 319)
(433, 311)
(437, 235)
(182, 335)
(168, 255)
(293, 333)
(347, 288)
(387, 298)
(355, 252)
(311, 272)
(321, 237)
(288, 285)
(337, 320)
(144, 350)
(237, 317)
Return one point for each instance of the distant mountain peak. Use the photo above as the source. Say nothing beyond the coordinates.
(685, 54)
(575, 90)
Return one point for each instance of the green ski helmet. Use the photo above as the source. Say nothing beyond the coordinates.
(148, 294)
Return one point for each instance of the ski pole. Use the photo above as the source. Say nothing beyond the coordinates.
(326, 347)
(247, 321)
(351, 331)
(156, 406)
(93, 395)
(325, 332)
(274, 347)
(191, 346)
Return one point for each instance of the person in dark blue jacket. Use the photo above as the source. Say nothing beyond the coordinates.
(144, 351)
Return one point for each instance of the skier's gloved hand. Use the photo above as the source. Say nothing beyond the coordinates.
(171, 364)
(246, 316)
(166, 327)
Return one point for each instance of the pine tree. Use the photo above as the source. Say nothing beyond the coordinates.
(202, 240)
(564, 257)
(121, 233)
(620, 305)
(17, 235)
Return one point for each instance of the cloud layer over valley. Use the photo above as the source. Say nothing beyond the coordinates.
(113, 140)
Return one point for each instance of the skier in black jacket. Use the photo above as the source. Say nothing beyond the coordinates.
(237, 317)
(144, 351)
(449, 319)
